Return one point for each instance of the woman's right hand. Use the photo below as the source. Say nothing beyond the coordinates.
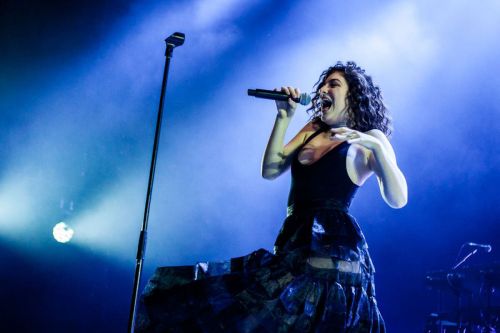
(286, 110)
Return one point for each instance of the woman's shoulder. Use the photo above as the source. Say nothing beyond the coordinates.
(312, 127)
(383, 139)
(376, 132)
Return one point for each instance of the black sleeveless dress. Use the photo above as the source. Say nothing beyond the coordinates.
(280, 292)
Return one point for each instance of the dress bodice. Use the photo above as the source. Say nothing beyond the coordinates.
(325, 179)
(318, 220)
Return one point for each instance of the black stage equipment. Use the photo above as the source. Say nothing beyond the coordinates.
(467, 300)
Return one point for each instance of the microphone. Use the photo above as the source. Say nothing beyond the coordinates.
(303, 99)
(485, 247)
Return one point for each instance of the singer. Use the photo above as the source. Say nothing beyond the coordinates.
(320, 277)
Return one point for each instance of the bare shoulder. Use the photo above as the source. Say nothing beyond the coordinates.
(306, 131)
(378, 134)
(310, 128)
(299, 138)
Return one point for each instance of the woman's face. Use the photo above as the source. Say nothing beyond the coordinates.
(333, 99)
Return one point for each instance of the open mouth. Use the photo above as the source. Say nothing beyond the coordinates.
(325, 103)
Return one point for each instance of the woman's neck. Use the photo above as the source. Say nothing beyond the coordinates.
(338, 124)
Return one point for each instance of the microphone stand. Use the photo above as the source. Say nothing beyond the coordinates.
(458, 290)
(176, 39)
(470, 254)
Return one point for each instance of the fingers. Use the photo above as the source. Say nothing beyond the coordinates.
(344, 134)
(287, 108)
(290, 105)
(291, 91)
(296, 92)
(341, 130)
(354, 140)
(335, 137)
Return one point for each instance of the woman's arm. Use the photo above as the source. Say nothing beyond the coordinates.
(276, 157)
(391, 180)
(381, 160)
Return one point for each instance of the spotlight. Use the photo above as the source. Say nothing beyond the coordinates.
(62, 232)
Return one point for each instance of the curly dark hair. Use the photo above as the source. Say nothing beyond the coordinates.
(366, 107)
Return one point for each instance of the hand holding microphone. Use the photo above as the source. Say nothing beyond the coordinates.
(286, 99)
(283, 95)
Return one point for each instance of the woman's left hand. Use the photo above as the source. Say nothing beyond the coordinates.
(355, 137)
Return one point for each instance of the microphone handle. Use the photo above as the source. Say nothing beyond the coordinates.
(270, 94)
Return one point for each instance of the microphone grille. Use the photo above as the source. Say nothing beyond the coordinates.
(304, 99)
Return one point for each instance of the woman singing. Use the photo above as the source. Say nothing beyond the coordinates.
(320, 277)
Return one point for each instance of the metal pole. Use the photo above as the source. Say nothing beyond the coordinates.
(176, 39)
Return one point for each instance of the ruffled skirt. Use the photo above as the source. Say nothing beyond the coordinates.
(259, 292)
